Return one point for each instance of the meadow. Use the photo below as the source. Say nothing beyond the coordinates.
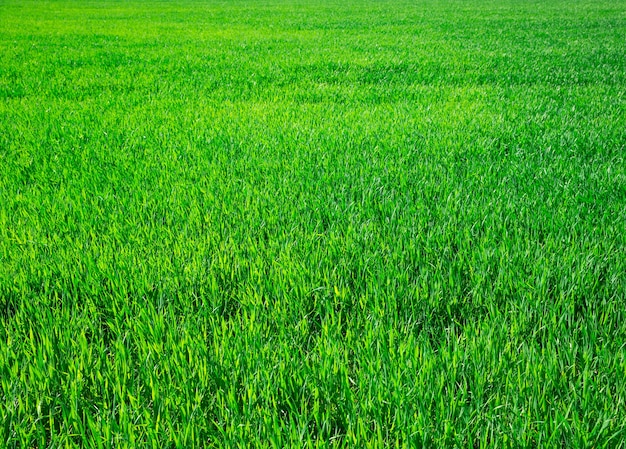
(290, 223)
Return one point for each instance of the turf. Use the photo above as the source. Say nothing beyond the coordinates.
(313, 224)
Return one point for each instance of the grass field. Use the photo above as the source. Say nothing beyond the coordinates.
(313, 224)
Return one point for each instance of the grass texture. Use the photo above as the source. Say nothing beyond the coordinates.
(313, 224)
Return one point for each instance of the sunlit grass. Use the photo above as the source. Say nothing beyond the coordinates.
(295, 224)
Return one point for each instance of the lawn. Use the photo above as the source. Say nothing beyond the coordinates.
(289, 223)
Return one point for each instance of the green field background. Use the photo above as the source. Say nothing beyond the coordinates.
(313, 223)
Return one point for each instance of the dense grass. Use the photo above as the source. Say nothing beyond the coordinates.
(283, 224)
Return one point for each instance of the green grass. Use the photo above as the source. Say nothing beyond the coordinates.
(313, 224)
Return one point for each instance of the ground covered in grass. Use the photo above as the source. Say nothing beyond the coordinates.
(292, 223)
